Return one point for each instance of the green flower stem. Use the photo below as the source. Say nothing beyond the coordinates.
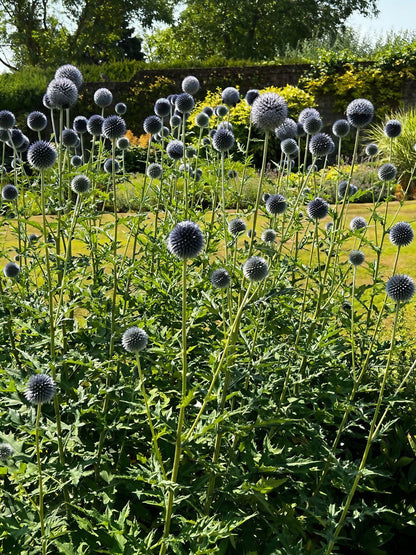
(352, 323)
(60, 194)
(243, 177)
(185, 173)
(6, 307)
(370, 439)
(198, 148)
(224, 215)
(259, 192)
(41, 515)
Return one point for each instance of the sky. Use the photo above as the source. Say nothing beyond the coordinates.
(396, 15)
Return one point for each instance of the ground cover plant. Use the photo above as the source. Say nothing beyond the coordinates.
(204, 373)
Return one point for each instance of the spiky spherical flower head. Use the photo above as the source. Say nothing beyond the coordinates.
(7, 119)
(172, 98)
(114, 127)
(76, 161)
(223, 140)
(268, 235)
(69, 138)
(162, 107)
(123, 143)
(230, 96)
(250, 233)
(24, 145)
(321, 145)
(175, 121)
(289, 146)
(236, 226)
(312, 125)
(307, 113)
(33, 238)
(103, 97)
(255, 268)
(276, 204)
(208, 110)
(190, 152)
(401, 234)
(70, 72)
(344, 186)
(220, 278)
(111, 166)
(198, 174)
(400, 288)
(221, 110)
(15, 139)
(202, 119)
(358, 223)
(9, 193)
(287, 130)
(41, 155)
(81, 184)
(62, 93)
(356, 257)
(265, 197)
(95, 125)
(134, 340)
(329, 227)
(184, 102)
(165, 132)
(190, 85)
(154, 171)
(232, 174)
(317, 208)
(174, 149)
(152, 125)
(206, 141)
(300, 132)
(360, 112)
(185, 240)
(341, 128)
(251, 96)
(80, 124)
(393, 128)
(11, 270)
(387, 172)
(36, 121)
(268, 111)
(120, 108)
(4, 135)
(40, 389)
(371, 149)
(6, 451)
(46, 101)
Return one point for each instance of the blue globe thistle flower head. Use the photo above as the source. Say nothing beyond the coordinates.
(344, 186)
(223, 140)
(76, 161)
(62, 93)
(134, 340)
(329, 226)
(300, 132)
(36, 121)
(46, 101)
(103, 97)
(202, 120)
(120, 108)
(387, 172)
(9, 193)
(95, 125)
(276, 204)
(289, 147)
(393, 128)
(69, 138)
(321, 145)
(81, 184)
(317, 208)
(174, 149)
(221, 110)
(172, 98)
(190, 85)
(6, 451)
(220, 278)
(256, 269)
(206, 141)
(184, 102)
(208, 110)
(341, 128)
(152, 125)
(225, 125)
(7, 119)
(162, 107)
(360, 112)
(32, 238)
(15, 138)
(265, 197)
(185, 240)
(307, 113)
(232, 174)
(312, 125)
(236, 226)
(111, 165)
(70, 72)
(41, 155)
(401, 234)
(356, 257)
(250, 233)
(11, 270)
(123, 143)
(251, 96)
(268, 236)
(4, 135)
(175, 121)
(190, 152)
(114, 127)
(358, 223)
(400, 288)
(80, 124)
(40, 389)
(154, 171)
(230, 96)
(268, 111)
(186, 168)
(371, 149)
(287, 130)
(198, 174)
(23, 147)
